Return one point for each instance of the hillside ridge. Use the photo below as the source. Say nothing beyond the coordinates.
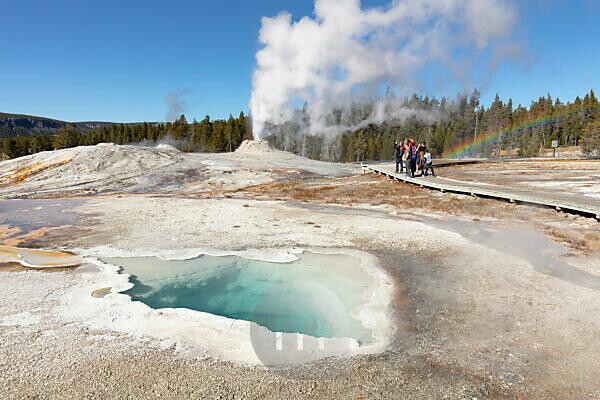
(12, 125)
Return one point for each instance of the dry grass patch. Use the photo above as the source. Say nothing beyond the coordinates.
(592, 240)
(372, 190)
(576, 239)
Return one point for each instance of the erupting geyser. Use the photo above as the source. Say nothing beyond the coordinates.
(346, 54)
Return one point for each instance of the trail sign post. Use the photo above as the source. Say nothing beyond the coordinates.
(554, 147)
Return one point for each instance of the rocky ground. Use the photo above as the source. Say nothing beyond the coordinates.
(492, 300)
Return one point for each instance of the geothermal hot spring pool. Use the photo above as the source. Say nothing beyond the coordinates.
(318, 295)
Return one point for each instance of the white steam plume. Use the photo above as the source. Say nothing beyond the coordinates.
(175, 104)
(346, 53)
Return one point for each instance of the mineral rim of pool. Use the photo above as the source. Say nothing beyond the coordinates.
(34, 258)
(317, 295)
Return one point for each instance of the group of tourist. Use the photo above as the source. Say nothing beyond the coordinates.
(413, 159)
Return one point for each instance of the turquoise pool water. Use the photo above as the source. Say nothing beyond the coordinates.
(314, 295)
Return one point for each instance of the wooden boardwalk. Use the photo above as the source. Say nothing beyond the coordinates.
(490, 191)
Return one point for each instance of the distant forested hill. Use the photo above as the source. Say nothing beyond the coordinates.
(13, 125)
(24, 135)
(27, 125)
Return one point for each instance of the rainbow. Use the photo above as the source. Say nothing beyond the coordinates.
(468, 147)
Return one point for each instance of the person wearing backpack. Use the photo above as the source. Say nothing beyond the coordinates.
(428, 163)
(413, 159)
(398, 153)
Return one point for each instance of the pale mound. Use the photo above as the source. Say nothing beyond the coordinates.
(111, 168)
(99, 167)
(255, 146)
(167, 147)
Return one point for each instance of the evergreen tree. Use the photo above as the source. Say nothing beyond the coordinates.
(67, 137)
(591, 140)
(9, 148)
(40, 143)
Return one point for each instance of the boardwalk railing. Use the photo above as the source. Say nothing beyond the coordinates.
(465, 188)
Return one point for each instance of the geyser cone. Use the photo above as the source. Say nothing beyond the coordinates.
(254, 146)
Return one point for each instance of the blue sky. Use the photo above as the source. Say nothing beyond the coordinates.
(117, 60)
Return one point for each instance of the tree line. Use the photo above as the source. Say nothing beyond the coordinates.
(521, 131)
(515, 131)
(198, 136)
